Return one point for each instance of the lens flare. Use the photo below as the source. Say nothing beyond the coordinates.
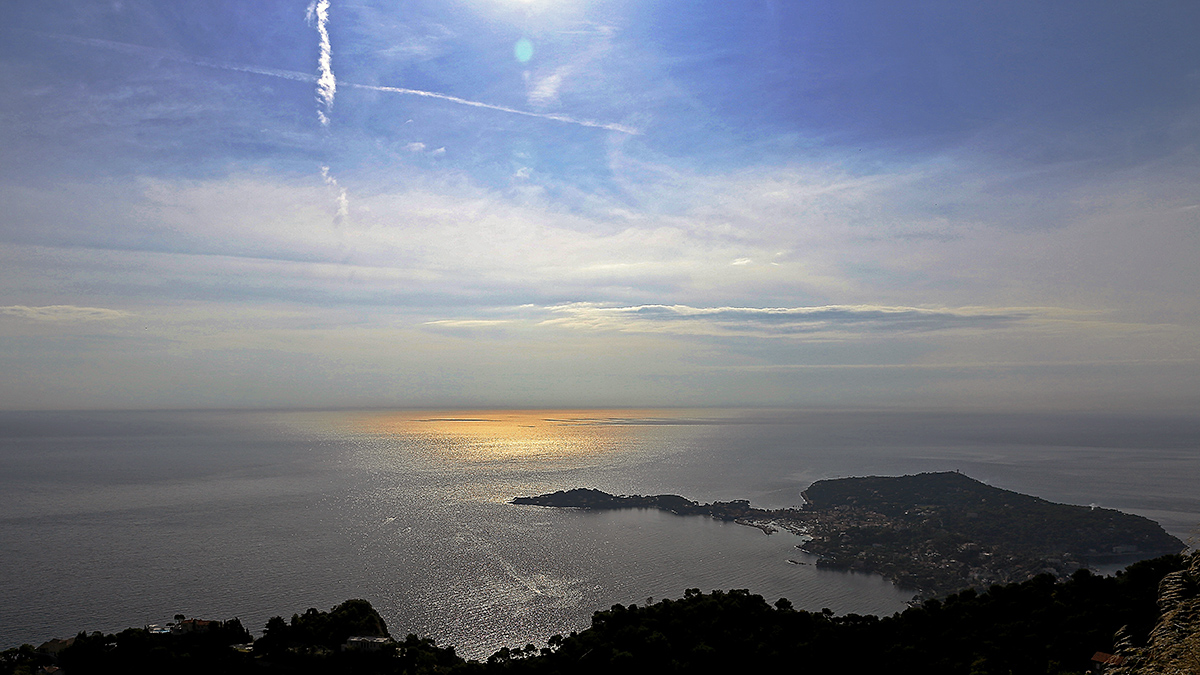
(523, 50)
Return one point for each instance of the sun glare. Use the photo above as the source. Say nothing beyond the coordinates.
(546, 435)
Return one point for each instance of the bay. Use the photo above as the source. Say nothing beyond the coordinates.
(113, 519)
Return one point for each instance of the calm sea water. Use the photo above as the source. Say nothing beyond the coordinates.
(117, 519)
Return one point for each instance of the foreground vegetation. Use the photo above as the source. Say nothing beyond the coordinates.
(1173, 647)
(1038, 626)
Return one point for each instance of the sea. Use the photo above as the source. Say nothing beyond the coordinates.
(117, 519)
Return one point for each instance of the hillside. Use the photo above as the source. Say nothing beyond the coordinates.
(942, 531)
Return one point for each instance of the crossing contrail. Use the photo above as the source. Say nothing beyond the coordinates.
(296, 76)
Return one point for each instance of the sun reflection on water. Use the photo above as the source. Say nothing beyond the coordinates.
(491, 435)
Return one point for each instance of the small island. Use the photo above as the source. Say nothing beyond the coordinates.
(934, 533)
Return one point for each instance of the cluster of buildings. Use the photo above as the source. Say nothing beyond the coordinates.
(182, 626)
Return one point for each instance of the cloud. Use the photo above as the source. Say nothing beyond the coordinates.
(418, 148)
(837, 240)
(828, 321)
(326, 82)
(386, 34)
(817, 235)
(543, 90)
(63, 313)
(497, 329)
(468, 323)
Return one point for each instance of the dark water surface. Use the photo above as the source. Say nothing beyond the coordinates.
(112, 520)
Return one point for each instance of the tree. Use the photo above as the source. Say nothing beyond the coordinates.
(276, 638)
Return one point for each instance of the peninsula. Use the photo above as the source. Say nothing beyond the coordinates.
(934, 533)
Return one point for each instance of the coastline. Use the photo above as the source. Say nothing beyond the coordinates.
(932, 534)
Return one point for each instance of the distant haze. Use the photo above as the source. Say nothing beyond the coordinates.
(522, 204)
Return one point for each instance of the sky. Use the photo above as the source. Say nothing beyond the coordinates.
(591, 203)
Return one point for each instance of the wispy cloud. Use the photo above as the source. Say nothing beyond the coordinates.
(318, 11)
(823, 321)
(544, 88)
(544, 91)
(63, 313)
(138, 50)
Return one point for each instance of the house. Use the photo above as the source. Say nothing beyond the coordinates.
(53, 647)
(1103, 660)
(366, 643)
(193, 626)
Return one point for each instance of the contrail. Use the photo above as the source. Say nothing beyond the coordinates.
(343, 201)
(326, 83)
(477, 104)
(297, 76)
(169, 55)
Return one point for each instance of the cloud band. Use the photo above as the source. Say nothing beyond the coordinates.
(827, 320)
(62, 313)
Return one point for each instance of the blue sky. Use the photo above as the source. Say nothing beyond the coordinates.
(555, 203)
